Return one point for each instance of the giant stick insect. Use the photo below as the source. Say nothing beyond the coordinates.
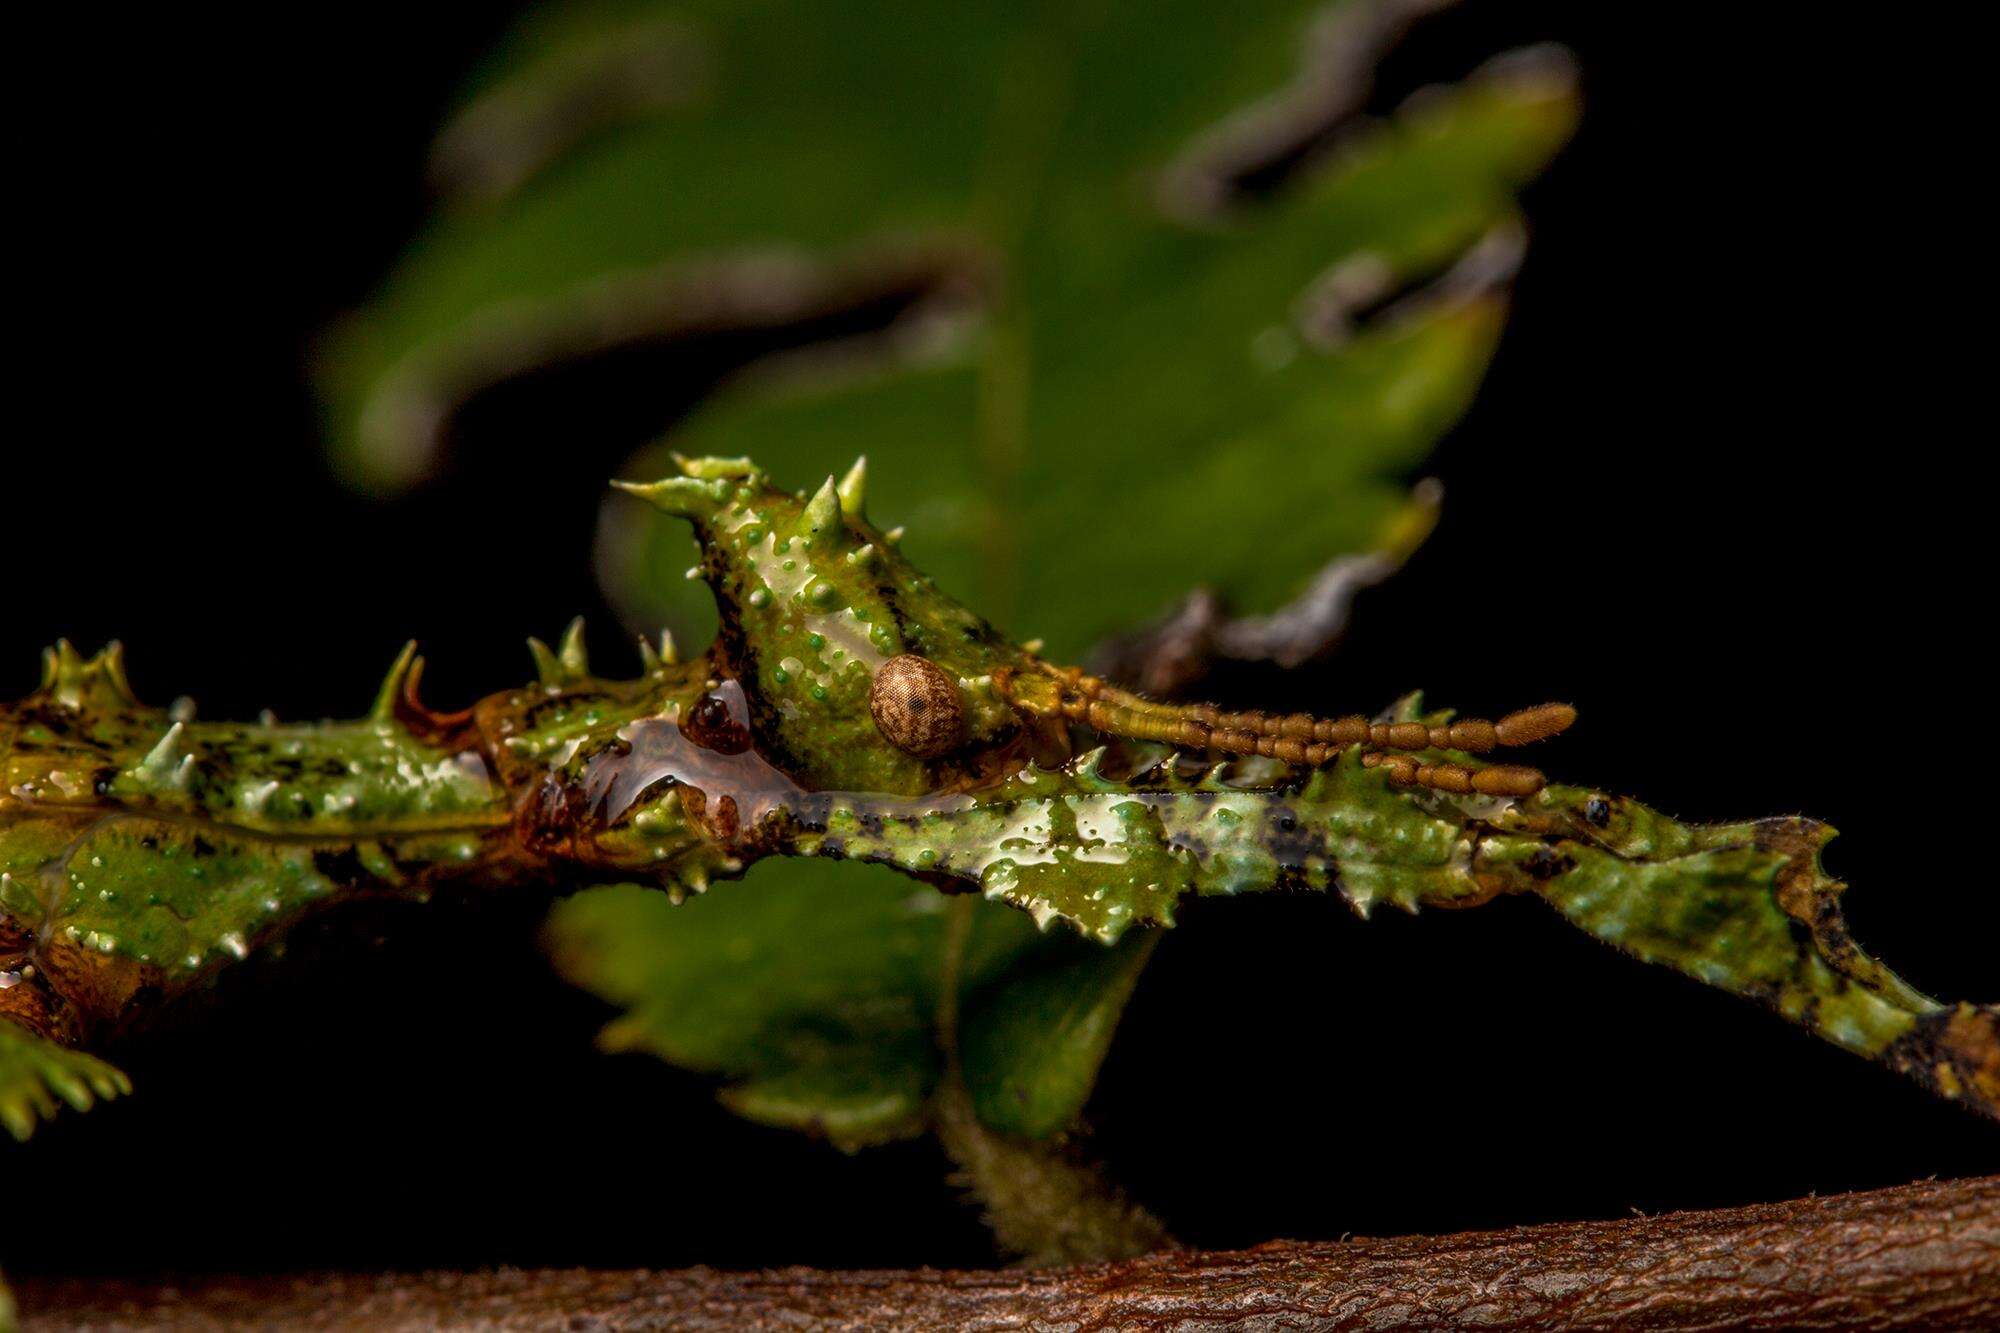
(849, 708)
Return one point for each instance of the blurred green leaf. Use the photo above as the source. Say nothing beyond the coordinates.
(816, 995)
(1136, 351)
(1033, 1042)
(1118, 375)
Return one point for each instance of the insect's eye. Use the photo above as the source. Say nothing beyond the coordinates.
(917, 706)
(719, 720)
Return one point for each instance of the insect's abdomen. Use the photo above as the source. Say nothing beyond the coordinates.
(139, 851)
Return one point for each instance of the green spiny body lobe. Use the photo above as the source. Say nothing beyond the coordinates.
(813, 599)
(1107, 854)
(139, 850)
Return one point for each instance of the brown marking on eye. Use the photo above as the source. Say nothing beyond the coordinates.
(917, 706)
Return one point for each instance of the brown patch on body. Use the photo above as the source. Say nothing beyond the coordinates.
(31, 1004)
(1956, 1053)
(1802, 892)
(1808, 897)
(70, 994)
(102, 987)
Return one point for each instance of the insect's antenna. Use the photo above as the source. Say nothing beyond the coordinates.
(1297, 738)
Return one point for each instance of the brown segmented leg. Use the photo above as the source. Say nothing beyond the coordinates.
(1491, 780)
(1297, 738)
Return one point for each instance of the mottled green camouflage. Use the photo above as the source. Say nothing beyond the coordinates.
(141, 850)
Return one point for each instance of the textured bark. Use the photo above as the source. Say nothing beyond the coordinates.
(1919, 1256)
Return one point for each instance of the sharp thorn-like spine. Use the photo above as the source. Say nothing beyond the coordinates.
(114, 671)
(691, 497)
(854, 489)
(78, 682)
(165, 765)
(69, 676)
(670, 653)
(893, 536)
(548, 667)
(649, 657)
(393, 684)
(572, 653)
(111, 664)
(820, 525)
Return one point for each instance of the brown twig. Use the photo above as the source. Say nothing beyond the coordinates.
(1918, 1256)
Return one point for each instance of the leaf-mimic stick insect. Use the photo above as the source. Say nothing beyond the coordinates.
(849, 708)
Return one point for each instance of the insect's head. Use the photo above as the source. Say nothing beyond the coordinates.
(852, 669)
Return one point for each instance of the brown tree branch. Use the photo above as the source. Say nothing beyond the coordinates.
(1918, 1256)
(1921, 1255)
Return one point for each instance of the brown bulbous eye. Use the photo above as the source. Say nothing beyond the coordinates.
(917, 706)
(720, 720)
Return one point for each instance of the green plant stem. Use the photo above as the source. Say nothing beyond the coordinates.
(1045, 1202)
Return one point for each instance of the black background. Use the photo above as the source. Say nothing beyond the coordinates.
(1718, 491)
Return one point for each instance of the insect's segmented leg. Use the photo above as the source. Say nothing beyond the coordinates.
(1493, 780)
(1297, 738)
